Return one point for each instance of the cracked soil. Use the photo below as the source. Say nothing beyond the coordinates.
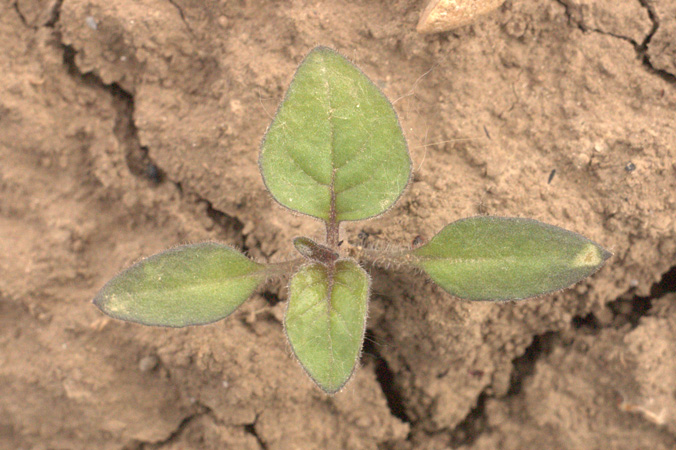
(129, 126)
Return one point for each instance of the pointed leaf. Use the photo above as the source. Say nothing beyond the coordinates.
(335, 149)
(495, 258)
(325, 320)
(316, 252)
(188, 285)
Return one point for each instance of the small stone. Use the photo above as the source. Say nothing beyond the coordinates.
(236, 107)
(516, 27)
(91, 23)
(148, 363)
(444, 15)
(604, 316)
(582, 159)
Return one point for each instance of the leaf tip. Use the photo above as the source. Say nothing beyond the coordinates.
(591, 255)
(606, 255)
(111, 305)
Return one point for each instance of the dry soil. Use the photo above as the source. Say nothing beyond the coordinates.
(129, 126)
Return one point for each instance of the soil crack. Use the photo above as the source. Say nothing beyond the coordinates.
(176, 434)
(655, 24)
(20, 14)
(251, 429)
(641, 48)
(475, 423)
(54, 14)
(626, 309)
(472, 426)
(629, 308)
(137, 156)
(183, 19)
(386, 379)
(47, 18)
(577, 22)
(124, 128)
(523, 367)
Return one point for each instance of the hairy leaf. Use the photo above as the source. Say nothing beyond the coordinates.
(326, 318)
(188, 285)
(316, 252)
(495, 258)
(335, 149)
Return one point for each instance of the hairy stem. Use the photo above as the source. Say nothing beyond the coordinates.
(333, 235)
(394, 258)
(284, 267)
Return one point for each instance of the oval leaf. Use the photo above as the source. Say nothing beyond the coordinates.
(335, 149)
(325, 320)
(495, 258)
(187, 285)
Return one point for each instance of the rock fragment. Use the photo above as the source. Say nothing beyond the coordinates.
(444, 15)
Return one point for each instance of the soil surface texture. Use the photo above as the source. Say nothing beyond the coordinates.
(131, 126)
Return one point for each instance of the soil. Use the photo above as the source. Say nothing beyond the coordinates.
(130, 126)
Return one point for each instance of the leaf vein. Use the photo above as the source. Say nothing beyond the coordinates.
(302, 169)
(340, 316)
(364, 181)
(309, 308)
(352, 290)
(360, 153)
(319, 299)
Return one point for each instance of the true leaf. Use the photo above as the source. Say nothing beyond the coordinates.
(326, 318)
(187, 285)
(335, 149)
(494, 258)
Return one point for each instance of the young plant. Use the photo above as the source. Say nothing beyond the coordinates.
(335, 151)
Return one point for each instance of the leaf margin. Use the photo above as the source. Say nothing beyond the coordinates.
(367, 295)
(101, 302)
(329, 220)
(414, 260)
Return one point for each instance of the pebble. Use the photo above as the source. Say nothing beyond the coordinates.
(148, 363)
(91, 23)
(444, 15)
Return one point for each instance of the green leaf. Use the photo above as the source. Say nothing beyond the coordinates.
(188, 285)
(495, 258)
(335, 149)
(325, 320)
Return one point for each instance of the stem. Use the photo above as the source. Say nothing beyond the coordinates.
(332, 234)
(332, 225)
(284, 267)
(397, 258)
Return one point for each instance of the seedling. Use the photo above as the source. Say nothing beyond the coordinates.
(335, 151)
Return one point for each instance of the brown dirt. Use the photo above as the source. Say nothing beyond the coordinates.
(130, 126)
